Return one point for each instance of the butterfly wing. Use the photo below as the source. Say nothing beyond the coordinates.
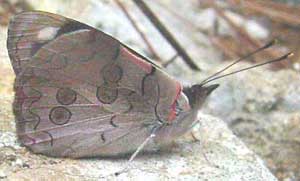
(80, 92)
(29, 31)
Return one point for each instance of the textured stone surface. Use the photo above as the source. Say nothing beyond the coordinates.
(274, 124)
(219, 155)
(260, 106)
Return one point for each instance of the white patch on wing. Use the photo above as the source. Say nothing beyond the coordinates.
(47, 33)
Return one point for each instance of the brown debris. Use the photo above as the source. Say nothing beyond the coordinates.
(9, 8)
(139, 31)
(166, 33)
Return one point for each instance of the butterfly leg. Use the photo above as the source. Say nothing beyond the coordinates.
(140, 148)
(152, 135)
(202, 143)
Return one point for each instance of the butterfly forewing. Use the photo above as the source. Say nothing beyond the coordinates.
(29, 31)
(80, 92)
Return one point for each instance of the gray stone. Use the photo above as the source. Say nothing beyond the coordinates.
(262, 108)
(219, 155)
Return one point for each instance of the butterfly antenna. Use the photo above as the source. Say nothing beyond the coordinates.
(286, 56)
(269, 44)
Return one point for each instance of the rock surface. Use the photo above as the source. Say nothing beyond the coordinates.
(267, 118)
(219, 155)
(260, 106)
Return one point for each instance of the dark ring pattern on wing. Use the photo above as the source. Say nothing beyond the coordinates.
(66, 96)
(106, 93)
(60, 115)
(112, 73)
(112, 121)
(28, 98)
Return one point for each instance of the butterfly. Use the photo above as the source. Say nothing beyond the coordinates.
(82, 93)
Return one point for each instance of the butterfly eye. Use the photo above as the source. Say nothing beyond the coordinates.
(178, 109)
(182, 103)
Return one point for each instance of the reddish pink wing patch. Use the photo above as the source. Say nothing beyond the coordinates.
(147, 67)
(172, 114)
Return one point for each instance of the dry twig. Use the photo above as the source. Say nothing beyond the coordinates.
(142, 35)
(165, 32)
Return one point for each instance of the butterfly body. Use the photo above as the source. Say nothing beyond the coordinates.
(80, 93)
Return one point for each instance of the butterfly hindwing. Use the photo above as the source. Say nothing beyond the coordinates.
(78, 91)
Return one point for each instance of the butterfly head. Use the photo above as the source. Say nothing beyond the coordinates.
(186, 110)
(198, 93)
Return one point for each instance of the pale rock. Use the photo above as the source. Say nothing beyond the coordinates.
(255, 30)
(219, 155)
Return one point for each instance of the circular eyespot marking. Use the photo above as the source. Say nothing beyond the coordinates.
(112, 73)
(60, 115)
(107, 94)
(66, 96)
